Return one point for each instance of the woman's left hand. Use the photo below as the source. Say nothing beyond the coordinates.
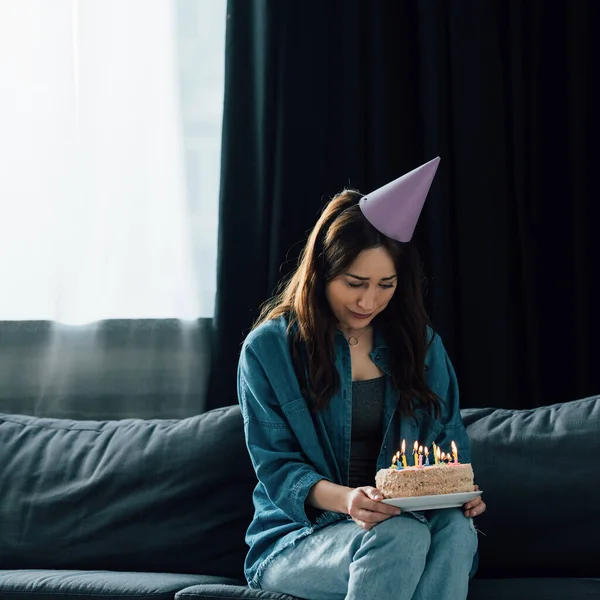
(475, 507)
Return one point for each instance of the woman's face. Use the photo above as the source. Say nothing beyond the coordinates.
(364, 290)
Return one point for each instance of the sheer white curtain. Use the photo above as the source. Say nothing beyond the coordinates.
(110, 125)
(110, 136)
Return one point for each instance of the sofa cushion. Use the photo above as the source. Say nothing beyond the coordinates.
(538, 470)
(534, 589)
(86, 585)
(479, 589)
(229, 592)
(169, 496)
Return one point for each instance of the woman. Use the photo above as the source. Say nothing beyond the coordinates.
(341, 366)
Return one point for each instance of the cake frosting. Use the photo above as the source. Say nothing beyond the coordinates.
(425, 481)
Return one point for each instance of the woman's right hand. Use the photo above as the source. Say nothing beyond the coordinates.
(366, 509)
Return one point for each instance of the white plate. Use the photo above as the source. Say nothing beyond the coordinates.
(431, 502)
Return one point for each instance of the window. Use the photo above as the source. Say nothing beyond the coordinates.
(110, 121)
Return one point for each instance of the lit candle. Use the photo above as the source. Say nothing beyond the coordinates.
(454, 452)
(426, 457)
(420, 456)
(436, 453)
(393, 465)
(403, 454)
(415, 453)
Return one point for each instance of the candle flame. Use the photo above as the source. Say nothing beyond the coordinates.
(437, 451)
(403, 446)
(416, 446)
(420, 449)
(426, 451)
(443, 456)
(453, 447)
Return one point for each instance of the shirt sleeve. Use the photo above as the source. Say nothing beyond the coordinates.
(274, 449)
(446, 387)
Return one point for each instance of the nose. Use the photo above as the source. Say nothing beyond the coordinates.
(366, 300)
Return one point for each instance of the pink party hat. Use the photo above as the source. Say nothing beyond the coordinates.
(394, 209)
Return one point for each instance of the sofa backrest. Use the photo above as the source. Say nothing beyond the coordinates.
(540, 473)
(136, 495)
(176, 496)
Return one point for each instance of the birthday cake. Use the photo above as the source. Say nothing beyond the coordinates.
(425, 480)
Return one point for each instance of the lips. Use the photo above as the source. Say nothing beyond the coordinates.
(359, 316)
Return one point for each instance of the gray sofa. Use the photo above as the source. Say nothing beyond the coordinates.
(157, 509)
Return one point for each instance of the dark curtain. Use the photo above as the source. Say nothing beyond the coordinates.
(323, 95)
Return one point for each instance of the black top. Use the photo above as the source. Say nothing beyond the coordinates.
(367, 419)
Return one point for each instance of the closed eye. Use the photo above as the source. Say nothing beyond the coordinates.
(386, 286)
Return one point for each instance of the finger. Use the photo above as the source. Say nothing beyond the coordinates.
(375, 518)
(476, 488)
(474, 512)
(364, 525)
(473, 502)
(381, 507)
(372, 493)
(366, 503)
(369, 516)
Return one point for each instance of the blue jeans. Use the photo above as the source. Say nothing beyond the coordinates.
(414, 556)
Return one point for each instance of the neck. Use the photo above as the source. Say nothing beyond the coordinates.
(350, 331)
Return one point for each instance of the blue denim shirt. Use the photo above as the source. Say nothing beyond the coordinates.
(292, 449)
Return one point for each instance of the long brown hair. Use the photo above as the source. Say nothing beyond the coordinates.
(340, 235)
